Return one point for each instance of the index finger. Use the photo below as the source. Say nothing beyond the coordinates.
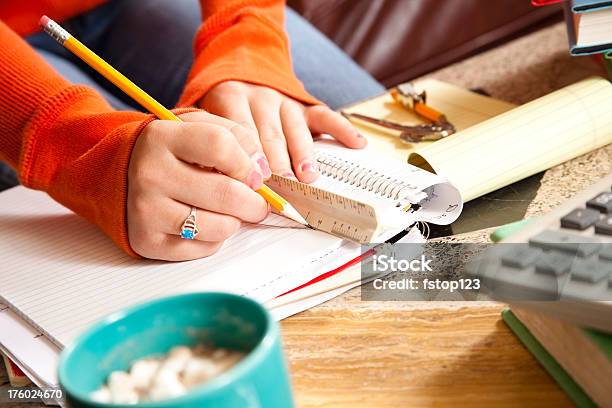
(209, 145)
(321, 119)
(247, 137)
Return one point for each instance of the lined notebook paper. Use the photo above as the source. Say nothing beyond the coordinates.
(524, 141)
(61, 274)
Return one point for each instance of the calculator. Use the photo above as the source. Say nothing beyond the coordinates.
(560, 263)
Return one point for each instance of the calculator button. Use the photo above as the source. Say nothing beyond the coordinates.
(520, 256)
(554, 263)
(590, 270)
(562, 241)
(601, 203)
(606, 252)
(604, 226)
(580, 218)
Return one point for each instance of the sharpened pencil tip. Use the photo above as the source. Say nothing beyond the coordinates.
(292, 213)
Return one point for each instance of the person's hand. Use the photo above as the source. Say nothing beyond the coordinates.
(206, 162)
(285, 126)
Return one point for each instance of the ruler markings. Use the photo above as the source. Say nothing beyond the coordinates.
(328, 211)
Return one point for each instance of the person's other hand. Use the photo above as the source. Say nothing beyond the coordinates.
(206, 162)
(285, 126)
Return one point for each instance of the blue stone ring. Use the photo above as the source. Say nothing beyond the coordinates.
(189, 230)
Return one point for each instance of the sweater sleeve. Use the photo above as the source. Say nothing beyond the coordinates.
(242, 40)
(65, 139)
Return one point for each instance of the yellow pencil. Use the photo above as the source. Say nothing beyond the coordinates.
(122, 82)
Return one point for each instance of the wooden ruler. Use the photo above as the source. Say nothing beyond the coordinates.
(329, 212)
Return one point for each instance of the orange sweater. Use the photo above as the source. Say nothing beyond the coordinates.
(66, 140)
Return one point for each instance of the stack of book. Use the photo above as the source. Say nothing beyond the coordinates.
(589, 25)
(579, 359)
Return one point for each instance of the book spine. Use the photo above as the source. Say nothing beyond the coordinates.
(570, 26)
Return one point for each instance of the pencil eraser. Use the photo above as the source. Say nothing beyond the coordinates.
(44, 20)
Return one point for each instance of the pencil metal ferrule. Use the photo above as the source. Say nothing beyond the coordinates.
(56, 31)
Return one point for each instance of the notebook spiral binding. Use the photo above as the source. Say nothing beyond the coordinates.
(360, 176)
(424, 228)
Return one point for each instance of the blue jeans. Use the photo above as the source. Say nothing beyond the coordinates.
(151, 43)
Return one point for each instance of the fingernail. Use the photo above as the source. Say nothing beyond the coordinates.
(263, 164)
(265, 167)
(361, 137)
(254, 180)
(289, 175)
(308, 167)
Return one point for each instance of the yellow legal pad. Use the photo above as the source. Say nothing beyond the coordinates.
(510, 143)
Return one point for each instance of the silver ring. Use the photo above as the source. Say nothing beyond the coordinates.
(189, 230)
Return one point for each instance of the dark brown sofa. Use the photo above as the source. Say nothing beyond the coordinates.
(397, 40)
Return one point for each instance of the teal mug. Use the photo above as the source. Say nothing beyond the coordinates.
(259, 380)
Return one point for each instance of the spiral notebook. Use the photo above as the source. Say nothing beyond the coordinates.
(365, 197)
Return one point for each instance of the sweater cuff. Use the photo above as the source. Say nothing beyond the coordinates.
(77, 149)
(252, 50)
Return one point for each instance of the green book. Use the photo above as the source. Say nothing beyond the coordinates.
(549, 341)
(565, 381)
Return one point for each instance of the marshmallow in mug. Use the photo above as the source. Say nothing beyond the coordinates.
(154, 379)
